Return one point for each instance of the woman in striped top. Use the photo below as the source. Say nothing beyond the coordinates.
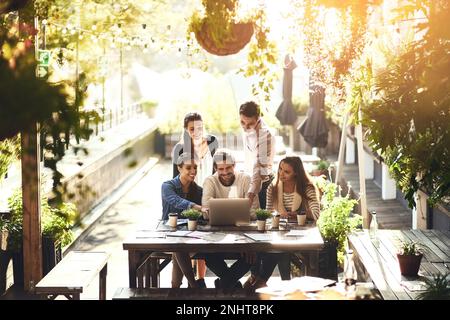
(292, 192)
(292, 188)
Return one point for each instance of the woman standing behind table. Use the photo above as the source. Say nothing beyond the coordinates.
(203, 146)
(177, 195)
(195, 141)
(292, 192)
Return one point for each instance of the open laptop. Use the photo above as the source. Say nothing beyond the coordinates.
(229, 212)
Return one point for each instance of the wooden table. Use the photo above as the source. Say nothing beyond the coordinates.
(379, 263)
(144, 242)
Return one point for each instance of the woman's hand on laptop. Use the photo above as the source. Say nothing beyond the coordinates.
(205, 212)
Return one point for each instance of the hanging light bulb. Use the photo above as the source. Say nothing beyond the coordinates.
(145, 48)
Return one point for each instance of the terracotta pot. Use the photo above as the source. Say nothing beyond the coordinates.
(242, 33)
(409, 264)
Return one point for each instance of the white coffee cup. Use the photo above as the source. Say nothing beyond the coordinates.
(276, 221)
(173, 217)
(301, 219)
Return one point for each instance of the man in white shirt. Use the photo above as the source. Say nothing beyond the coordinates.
(259, 147)
(227, 183)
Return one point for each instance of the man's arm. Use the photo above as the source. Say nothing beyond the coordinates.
(264, 158)
(255, 201)
(208, 193)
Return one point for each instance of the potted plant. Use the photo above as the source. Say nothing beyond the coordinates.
(409, 259)
(437, 288)
(261, 216)
(217, 29)
(149, 107)
(193, 215)
(335, 223)
(321, 168)
(56, 224)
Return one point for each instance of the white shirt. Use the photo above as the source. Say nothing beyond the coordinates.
(204, 168)
(259, 147)
(214, 189)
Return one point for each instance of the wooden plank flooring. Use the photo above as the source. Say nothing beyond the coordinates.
(391, 214)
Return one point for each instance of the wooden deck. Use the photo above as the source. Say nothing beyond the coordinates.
(391, 214)
(378, 261)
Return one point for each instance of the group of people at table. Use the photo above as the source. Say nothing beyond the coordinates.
(202, 172)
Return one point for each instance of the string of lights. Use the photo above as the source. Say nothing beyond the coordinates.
(118, 37)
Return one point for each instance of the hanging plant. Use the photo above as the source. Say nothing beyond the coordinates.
(217, 29)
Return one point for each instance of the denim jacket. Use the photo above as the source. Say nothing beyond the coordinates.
(172, 197)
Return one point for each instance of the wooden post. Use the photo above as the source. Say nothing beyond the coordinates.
(362, 176)
(342, 149)
(31, 184)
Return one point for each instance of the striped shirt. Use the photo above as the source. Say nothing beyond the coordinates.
(313, 204)
(288, 198)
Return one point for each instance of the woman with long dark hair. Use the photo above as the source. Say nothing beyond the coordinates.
(293, 188)
(195, 141)
(292, 192)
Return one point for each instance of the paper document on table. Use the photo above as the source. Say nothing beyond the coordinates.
(149, 234)
(259, 236)
(296, 233)
(179, 233)
(187, 234)
(198, 234)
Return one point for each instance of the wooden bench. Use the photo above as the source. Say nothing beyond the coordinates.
(74, 273)
(183, 294)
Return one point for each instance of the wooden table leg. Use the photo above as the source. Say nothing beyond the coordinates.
(102, 280)
(154, 266)
(314, 263)
(133, 260)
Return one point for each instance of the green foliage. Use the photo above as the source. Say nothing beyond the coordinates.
(409, 120)
(9, 151)
(263, 214)
(262, 54)
(219, 15)
(323, 165)
(27, 100)
(336, 221)
(437, 288)
(55, 222)
(409, 248)
(191, 214)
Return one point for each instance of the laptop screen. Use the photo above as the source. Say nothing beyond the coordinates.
(229, 212)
